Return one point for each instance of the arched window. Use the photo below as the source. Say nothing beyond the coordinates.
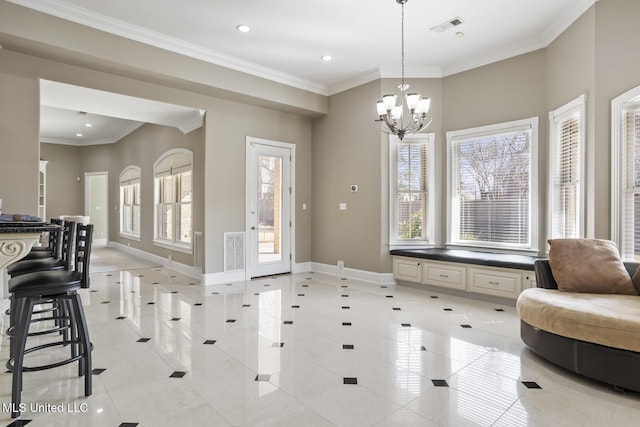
(173, 196)
(130, 202)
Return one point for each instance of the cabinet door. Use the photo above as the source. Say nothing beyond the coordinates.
(408, 269)
(495, 282)
(447, 275)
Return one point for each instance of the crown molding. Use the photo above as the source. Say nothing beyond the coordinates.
(82, 16)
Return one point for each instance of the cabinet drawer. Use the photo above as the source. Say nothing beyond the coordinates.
(445, 275)
(407, 269)
(495, 282)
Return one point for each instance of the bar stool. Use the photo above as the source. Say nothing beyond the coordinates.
(48, 263)
(61, 286)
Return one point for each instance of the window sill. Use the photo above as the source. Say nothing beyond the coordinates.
(130, 236)
(422, 244)
(173, 246)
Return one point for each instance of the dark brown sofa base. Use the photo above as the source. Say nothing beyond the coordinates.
(620, 368)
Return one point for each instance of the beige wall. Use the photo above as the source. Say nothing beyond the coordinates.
(65, 194)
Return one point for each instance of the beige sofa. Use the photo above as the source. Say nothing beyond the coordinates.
(595, 335)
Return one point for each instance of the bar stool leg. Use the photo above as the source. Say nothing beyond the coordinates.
(80, 321)
(21, 331)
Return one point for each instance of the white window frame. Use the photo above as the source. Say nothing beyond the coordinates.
(172, 243)
(628, 101)
(569, 111)
(129, 177)
(530, 124)
(395, 242)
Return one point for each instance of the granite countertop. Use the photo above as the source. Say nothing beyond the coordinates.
(26, 227)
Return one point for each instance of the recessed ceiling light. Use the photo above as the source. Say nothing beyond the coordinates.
(459, 34)
(88, 125)
(78, 134)
(326, 58)
(243, 28)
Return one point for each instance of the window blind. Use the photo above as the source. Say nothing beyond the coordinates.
(631, 179)
(566, 183)
(411, 204)
(490, 185)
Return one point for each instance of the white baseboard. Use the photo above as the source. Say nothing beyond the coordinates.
(185, 269)
(352, 273)
(240, 275)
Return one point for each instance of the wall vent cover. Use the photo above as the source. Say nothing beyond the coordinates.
(233, 251)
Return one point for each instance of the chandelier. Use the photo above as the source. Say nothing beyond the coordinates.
(403, 118)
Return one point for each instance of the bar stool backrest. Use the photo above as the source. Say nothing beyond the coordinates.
(68, 232)
(54, 238)
(84, 238)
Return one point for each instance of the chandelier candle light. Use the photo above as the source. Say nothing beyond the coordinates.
(392, 116)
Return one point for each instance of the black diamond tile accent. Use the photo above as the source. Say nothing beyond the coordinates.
(346, 323)
(141, 275)
(267, 284)
(434, 297)
(396, 309)
(19, 423)
(118, 283)
(466, 326)
(263, 377)
(305, 286)
(288, 322)
(257, 293)
(173, 276)
(448, 309)
(105, 302)
(192, 284)
(108, 275)
(246, 305)
(121, 317)
(423, 348)
(175, 319)
(231, 320)
(348, 380)
(406, 325)
(384, 286)
(144, 340)
(151, 303)
(345, 296)
(345, 307)
(178, 374)
(300, 295)
(198, 303)
(531, 384)
(155, 283)
(93, 290)
(440, 383)
(389, 296)
(277, 344)
(295, 306)
(174, 292)
(344, 286)
(498, 309)
(228, 284)
(308, 278)
(347, 346)
(97, 371)
(215, 293)
(343, 278)
(128, 425)
(209, 342)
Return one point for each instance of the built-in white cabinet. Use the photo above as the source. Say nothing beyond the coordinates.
(496, 281)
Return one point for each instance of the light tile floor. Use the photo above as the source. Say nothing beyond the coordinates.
(302, 350)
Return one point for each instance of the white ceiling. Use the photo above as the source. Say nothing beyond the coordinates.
(288, 37)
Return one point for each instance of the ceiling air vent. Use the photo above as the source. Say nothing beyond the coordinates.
(454, 22)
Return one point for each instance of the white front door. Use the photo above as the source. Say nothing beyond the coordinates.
(269, 222)
(96, 190)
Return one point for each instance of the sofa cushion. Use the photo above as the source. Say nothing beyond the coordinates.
(589, 265)
(609, 320)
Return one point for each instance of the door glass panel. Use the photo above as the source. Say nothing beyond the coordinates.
(269, 208)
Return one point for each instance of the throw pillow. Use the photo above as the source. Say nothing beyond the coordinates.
(590, 266)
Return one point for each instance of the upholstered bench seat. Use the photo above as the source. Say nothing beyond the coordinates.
(605, 319)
